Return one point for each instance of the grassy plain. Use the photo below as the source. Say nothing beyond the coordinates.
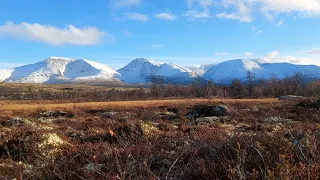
(153, 139)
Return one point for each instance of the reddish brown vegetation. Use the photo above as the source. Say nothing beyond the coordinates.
(131, 140)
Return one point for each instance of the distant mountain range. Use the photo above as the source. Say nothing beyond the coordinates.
(59, 70)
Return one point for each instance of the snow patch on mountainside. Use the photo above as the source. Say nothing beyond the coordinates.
(5, 73)
(138, 70)
(62, 70)
(226, 71)
(145, 71)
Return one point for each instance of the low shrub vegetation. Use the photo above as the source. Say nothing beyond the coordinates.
(256, 139)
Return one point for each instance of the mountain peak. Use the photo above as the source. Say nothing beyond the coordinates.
(144, 60)
(61, 70)
(59, 58)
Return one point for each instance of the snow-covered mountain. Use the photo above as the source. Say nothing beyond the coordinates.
(226, 71)
(5, 73)
(55, 70)
(146, 71)
(61, 70)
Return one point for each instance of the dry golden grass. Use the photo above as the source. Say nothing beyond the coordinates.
(32, 105)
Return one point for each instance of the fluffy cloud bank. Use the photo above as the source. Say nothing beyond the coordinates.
(166, 16)
(273, 57)
(243, 9)
(54, 35)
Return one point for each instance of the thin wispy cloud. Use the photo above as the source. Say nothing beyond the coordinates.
(54, 35)
(124, 3)
(258, 32)
(314, 51)
(194, 14)
(166, 16)
(136, 16)
(280, 23)
(244, 10)
(198, 9)
(220, 53)
(201, 3)
(234, 16)
(248, 54)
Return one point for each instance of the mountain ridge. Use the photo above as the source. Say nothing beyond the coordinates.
(142, 70)
(55, 70)
(226, 71)
(61, 70)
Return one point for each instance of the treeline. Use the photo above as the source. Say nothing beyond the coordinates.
(252, 88)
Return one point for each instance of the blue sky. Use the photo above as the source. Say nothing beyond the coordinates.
(186, 32)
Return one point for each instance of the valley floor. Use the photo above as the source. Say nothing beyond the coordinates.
(154, 139)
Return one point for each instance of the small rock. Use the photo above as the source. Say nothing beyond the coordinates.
(55, 114)
(46, 120)
(148, 129)
(75, 135)
(51, 144)
(108, 114)
(308, 104)
(252, 109)
(290, 98)
(92, 167)
(208, 111)
(172, 152)
(17, 121)
(274, 119)
(168, 115)
(207, 120)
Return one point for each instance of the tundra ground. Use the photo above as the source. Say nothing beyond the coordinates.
(261, 138)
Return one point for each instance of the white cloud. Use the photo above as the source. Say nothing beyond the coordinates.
(248, 54)
(166, 16)
(54, 35)
(190, 3)
(199, 9)
(272, 54)
(4, 65)
(137, 16)
(314, 51)
(157, 46)
(280, 23)
(243, 10)
(234, 16)
(124, 3)
(201, 3)
(193, 14)
(258, 32)
(220, 53)
(305, 7)
(205, 3)
(273, 57)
